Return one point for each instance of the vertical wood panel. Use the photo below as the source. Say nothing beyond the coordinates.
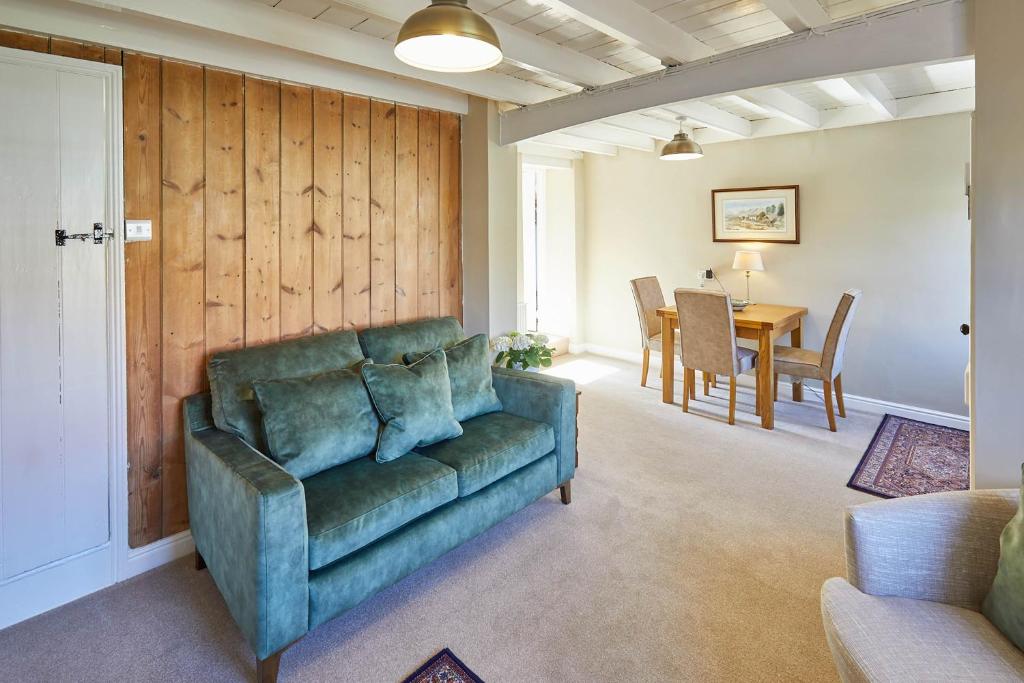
(428, 214)
(183, 271)
(225, 211)
(24, 41)
(327, 229)
(356, 212)
(406, 214)
(296, 211)
(382, 213)
(262, 211)
(450, 237)
(73, 48)
(142, 177)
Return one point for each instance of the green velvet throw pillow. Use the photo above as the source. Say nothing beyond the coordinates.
(311, 424)
(414, 402)
(1004, 605)
(469, 373)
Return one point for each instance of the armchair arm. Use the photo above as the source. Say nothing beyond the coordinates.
(545, 399)
(248, 519)
(942, 547)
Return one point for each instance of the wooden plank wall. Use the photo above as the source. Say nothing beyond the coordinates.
(278, 210)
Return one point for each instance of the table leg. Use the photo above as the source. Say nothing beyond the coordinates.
(795, 340)
(668, 364)
(765, 376)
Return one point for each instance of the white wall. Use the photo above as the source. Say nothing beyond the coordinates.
(998, 316)
(882, 208)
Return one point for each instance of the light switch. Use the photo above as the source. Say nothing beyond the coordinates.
(138, 230)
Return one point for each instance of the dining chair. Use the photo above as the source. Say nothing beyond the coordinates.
(649, 298)
(708, 333)
(825, 365)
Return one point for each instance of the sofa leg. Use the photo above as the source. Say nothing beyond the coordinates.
(266, 669)
(566, 491)
(200, 562)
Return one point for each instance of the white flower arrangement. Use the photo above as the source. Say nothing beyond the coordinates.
(522, 350)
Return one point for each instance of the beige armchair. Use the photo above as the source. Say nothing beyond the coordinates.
(825, 365)
(649, 298)
(708, 333)
(919, 569)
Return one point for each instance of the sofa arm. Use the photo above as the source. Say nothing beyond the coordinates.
(942, 547)
(547, 399)
(248, 519)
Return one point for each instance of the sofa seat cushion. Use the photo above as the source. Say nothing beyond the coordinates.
(899, 639)
(490, 447)
(352, 505)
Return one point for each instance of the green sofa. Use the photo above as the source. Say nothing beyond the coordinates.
(290, 554)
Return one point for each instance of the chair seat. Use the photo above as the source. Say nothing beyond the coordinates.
(490, 447)
(746, 357)
(798, 362)
(899, 639)
(655, 342)
(352, 505)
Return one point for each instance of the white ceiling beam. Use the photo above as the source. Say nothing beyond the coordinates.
(576, 144)
(151, 35)
(602, 132)
(648, 125)
(635, 25)
(274, 27)
(875, 93)
(780, 103)
(712, 117)
(920, 33)
(519, 46)
(799, 15)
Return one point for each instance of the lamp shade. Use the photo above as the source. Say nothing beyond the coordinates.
(748, 260)
(680, 148)
(448, 36)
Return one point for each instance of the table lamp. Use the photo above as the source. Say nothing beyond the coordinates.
(748, 261)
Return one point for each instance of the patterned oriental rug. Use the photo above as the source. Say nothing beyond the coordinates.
(908, 458)
(444, 667)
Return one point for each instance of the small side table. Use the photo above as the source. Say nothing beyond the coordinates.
(578, 394)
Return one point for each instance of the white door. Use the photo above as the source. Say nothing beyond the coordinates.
(57, 438)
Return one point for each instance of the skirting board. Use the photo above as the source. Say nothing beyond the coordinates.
(141, 560)
(861, 403)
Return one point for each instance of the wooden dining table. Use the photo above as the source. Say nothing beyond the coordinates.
(763, 322)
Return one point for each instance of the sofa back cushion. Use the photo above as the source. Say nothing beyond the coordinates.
(313, 423)
(1004, 605)
(390, 344)
(232, 373)
(414, 402)
(469, 373)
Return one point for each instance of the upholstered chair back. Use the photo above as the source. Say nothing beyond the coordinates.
(835, 341)
(707, 331)
(649, 298)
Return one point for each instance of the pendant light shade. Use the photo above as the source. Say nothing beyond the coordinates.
(680, 148)
(448, 36)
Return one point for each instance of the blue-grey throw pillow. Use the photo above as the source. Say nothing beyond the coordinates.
(414, 402)
(311, 424)
(469, 373)
(1004, 604)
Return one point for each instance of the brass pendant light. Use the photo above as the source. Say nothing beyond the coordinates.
(681, 147)
(448, 36)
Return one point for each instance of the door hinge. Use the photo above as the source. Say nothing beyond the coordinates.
(97, 235)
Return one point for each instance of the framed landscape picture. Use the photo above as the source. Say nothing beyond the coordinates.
(756, 214)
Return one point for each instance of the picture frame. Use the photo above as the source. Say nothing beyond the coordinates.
(756, 214)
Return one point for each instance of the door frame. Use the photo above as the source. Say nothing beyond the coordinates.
(114, 554)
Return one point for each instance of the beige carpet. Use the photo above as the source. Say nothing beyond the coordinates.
(692, 551)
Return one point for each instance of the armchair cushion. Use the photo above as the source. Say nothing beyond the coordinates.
(414, 402)
(232, 373)
(469, 373)
(313, 423)
(1004, 605)
(492, 446)
(352, 505)
(900, 639)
